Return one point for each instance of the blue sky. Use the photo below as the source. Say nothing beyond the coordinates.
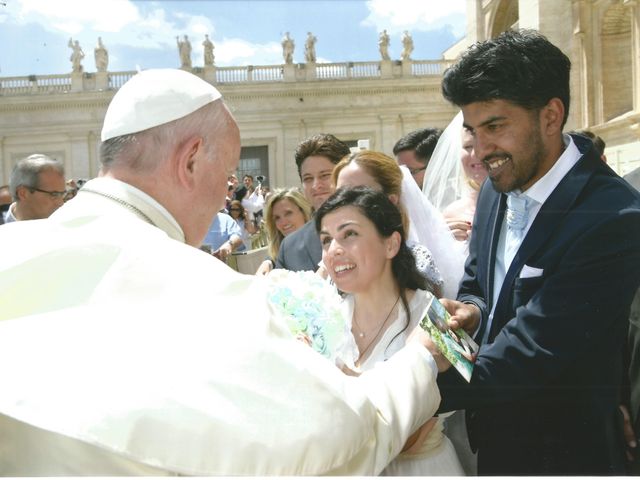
(141, 33)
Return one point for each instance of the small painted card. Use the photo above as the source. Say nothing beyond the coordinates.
(456, 346)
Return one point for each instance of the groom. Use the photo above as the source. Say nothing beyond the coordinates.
(553, 266)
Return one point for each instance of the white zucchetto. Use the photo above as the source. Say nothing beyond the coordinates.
(155, 97)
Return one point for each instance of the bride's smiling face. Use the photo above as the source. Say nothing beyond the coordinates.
(473, 168)
(353, 251)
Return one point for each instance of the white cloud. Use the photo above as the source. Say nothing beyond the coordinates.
(399, 15)
(118, 21)
(73, 16)
(235, 51)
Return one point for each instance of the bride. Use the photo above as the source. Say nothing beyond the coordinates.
(439, 257)
(364, 251)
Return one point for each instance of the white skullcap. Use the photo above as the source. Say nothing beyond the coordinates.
(155, 97)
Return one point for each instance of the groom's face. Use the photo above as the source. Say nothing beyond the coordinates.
(508, 140)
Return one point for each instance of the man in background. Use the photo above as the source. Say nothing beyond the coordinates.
(414, 151)
(598, 142)
(315, 157)
(37, 186)
(5, 201)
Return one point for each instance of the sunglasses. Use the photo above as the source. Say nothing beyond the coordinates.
(52, 194)
(415, 171)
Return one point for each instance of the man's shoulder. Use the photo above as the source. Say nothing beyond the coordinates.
(302, 233)
(633, 178)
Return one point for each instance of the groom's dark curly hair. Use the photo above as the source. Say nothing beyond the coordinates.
(521, 67)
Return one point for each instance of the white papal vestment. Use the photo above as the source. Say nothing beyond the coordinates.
(122, 352)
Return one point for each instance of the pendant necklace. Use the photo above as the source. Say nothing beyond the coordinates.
(362, 334)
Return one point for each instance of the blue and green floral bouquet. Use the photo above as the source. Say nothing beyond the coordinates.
(312, 309)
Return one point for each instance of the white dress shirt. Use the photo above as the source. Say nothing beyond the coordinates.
(537, 195)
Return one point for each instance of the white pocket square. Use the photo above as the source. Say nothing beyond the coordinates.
(531, 272)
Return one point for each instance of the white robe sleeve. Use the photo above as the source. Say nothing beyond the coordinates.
(161, 359)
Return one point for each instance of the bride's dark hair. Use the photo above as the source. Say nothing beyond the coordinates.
(386, 217)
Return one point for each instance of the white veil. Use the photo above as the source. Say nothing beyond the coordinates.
(427, 227)
(444, 179)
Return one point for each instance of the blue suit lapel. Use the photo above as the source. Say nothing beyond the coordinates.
(499, 207)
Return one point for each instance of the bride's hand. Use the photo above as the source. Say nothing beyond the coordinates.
(460, 228)
(422, 337)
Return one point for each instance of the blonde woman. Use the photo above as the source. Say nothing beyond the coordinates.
(287, 210)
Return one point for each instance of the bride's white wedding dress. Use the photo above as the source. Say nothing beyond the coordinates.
(436, 456)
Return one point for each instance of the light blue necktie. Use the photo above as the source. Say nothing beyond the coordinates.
(517, 216)
(517, 212)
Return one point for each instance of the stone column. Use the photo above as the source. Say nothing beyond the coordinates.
(5, 168)
(79, 152)
(634, 5)
(388, 133)
(93, 154)
(293, 132)
(582, 72)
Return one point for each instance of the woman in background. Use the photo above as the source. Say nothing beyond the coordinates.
(453, 178)
(385, 297)
(248, 227)
(287, 210)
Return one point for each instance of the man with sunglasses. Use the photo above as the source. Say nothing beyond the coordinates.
(414, 151)
(37, 186)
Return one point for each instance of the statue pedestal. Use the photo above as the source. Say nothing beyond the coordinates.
(310, 70)
(386, 69)
(289, 72)
(407, 69)
(77, 82)
(102, 81)
(210, 74)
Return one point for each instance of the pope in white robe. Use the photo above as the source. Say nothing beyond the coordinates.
(121, 351)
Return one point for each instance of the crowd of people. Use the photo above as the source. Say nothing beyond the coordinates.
(141, 364)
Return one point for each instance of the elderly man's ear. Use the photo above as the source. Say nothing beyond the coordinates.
(187, 158)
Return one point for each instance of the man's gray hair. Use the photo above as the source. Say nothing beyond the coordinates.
(143, 151)
(27, 170)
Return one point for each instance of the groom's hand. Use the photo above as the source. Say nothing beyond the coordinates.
(463, 315)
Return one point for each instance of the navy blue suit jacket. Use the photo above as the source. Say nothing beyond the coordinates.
(544, 394)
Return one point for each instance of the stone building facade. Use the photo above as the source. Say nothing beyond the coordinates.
(277, 106)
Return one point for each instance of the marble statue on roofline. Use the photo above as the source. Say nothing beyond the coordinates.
(184, 50)
(407, 46)
(209, 57)
(101, 55)
(77, 55)
(288, 46)
(310, 48)
(383, 45)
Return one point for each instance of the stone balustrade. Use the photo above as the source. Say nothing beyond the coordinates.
(88, 82)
